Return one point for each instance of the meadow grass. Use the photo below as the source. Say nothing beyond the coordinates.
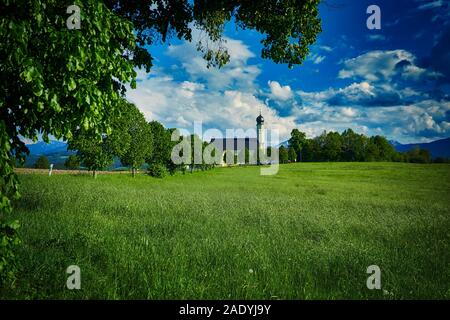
(309, 232)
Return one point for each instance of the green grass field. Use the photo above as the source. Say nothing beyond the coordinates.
(309, 232)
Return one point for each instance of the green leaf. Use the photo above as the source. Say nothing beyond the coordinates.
(38, 88)
(72, 85)
(29, 74)
(54, 104)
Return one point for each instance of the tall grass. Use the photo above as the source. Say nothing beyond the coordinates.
(309, 232)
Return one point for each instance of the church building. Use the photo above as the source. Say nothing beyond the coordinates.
(233, 149)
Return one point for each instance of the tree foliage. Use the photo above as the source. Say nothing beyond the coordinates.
(95, 153)
(42, 163)
(140, 137)
(289, 27)
(54, 80)
(98, 152)
(162, 145)
(417, 155)
(292, 155)
(348, 146)
(72, 162)
(283, 154)
(297, 142)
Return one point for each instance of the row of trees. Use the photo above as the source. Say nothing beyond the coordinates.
(135, 142)
(131, 139)
(348, 146)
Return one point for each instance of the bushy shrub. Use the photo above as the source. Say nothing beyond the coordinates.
(157, 171)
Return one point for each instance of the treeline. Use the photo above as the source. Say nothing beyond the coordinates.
(133, 140)
(347, 147)
(136, 142)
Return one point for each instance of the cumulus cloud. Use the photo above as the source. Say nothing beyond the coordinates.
(279, 92)
(374, 65)
(384, 95)
(223, 98)
(388, 78)
(390, 95)
(236, 73)
(379, 65)
(425, 119)
(348, 112)
(176, 105)
(362, 94)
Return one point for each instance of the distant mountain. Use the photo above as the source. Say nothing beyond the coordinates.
(42, 148)
(395, 143)
(438, 148)
(284, 144)
(55, 151)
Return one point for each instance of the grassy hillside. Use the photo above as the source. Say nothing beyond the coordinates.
(309, 232)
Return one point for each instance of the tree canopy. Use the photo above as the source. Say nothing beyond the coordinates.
(297, 142)
(348, 146)
(42, 163)
(162, 144)
(288, 27)
(140, 135)
(72, 162)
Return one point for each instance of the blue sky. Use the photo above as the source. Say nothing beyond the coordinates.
(394, 81)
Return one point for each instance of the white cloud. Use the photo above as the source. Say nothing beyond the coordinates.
(326, 48)
(227, 98)
(413, 72)
(348, 112)
(426, 119)
(431, 5)
(279, 92)
(375, 65)
(317, 59)
(167, 102)
(236, 73)
(219, 98)
(382, 66)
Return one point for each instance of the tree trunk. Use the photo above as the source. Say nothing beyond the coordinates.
(133, 172)
(94, 174)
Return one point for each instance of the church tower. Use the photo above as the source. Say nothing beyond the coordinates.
(260, 131)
